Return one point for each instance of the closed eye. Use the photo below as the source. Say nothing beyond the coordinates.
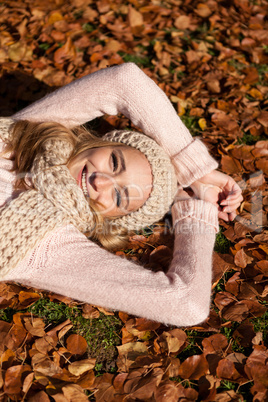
(114, 162)
(118, 198)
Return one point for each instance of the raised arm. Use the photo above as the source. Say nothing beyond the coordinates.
(90, 274)
(126, 89)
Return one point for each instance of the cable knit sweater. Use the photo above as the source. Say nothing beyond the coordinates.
(66, 262)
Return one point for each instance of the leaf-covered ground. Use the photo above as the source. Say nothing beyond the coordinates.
(210, 58)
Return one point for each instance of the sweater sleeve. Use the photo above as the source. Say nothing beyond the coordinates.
(126, 89)
(67, 263)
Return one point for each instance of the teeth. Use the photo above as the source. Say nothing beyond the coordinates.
(84, 185)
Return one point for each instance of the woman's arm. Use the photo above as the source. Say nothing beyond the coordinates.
(67, 263)
(126, 89)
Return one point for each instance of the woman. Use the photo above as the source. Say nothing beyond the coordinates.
(127, 181)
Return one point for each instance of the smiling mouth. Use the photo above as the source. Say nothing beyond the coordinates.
(84, 182)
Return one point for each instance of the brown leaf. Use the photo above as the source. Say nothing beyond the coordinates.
(135, 20)
(128, 354)
(223, 299)
(27, 298)
(66, 52)
(244, 334)
(52, 77)
(203, 10)
(141, 384)
(187, 394)
(76, 344)
(194, 367)
(81, 366)
(7, 359)
(242, 259)
(230, 165)
(173, 367)
(8, 295)
(226, 370)
(27, 383)
(252, 75)
(19, 51)
(207, 387)
(256, 365)
(35, 326)
(236, 312)
(44, 365)
(87, 380)
(225, 122)
(166, 391)
(263, 118)
(213, 86)
(74, 393)
(182, 22)
(233, 284)
(215, 344)
(172, 341)
(220, 267)
(41, 396)
(105, 389)
(228, 396)
(53, 332)
(262, 164)
(90, 312)
(14, 378)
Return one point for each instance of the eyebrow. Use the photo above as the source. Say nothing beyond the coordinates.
(127, 197)
(122, 160)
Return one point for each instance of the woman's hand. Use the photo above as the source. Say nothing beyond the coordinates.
(221, 190)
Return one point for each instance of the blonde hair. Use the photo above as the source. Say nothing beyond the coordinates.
(28, 139)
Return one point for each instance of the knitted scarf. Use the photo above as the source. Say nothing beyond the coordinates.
(56, 200)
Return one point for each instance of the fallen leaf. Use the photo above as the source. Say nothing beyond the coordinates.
(81, 366)
(76, 344)
(194, 367)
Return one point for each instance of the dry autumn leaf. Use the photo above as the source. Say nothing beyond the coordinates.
(76, 344)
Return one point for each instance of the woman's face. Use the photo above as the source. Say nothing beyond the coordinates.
(117, 178)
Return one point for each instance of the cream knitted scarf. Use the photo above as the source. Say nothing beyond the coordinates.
(56, 200)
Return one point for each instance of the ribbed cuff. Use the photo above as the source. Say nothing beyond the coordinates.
(198, 210)
(192, 163)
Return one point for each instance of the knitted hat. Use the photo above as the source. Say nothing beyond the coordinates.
(164, 179)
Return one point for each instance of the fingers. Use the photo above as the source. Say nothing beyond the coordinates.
(228, 217)
(233, 198)
(231, 189)
(232, 206)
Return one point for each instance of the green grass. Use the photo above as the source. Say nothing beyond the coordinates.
(44, 46)
(260, 324)
(140, 60)
(88, 27)
(249, 139)
(6, 314)
(222, 244)
(191, 123)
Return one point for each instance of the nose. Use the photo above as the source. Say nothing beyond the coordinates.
(100, 181)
